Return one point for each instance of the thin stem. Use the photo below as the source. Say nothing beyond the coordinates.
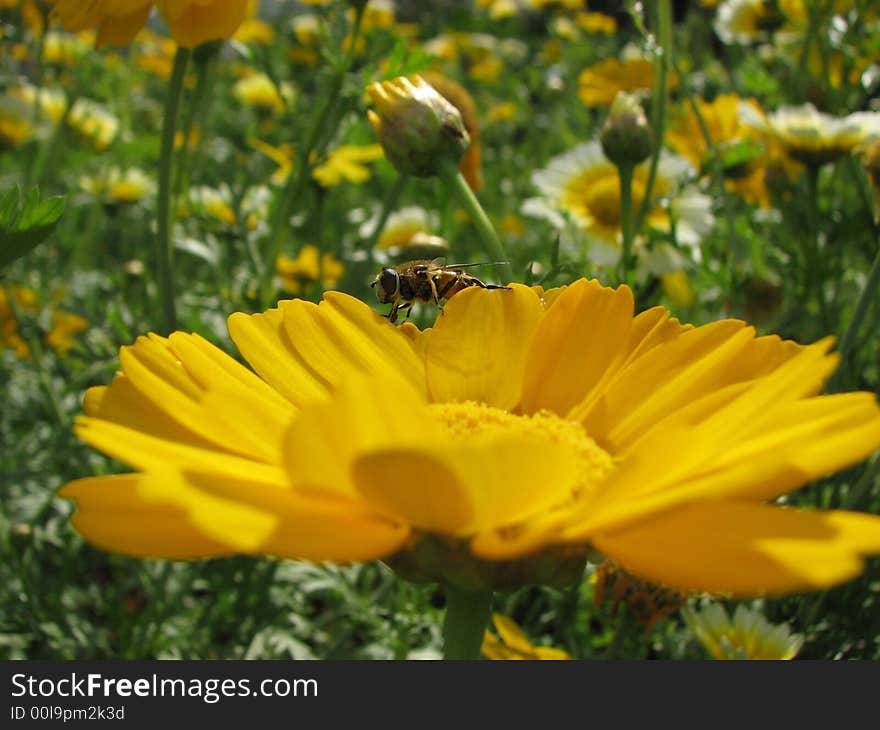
(814, 278)
(467, 615)
(297, 181)
(454, 180)
(866, 299)
(658, 109)
(164, 251)
(620, 633)
(625, 171)
(388, 205)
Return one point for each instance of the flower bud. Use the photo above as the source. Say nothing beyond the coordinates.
(626, 137)
(417, 127)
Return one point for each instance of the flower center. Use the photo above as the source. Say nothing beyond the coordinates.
(463, 421)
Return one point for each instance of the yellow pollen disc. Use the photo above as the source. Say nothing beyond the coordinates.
(465, 421)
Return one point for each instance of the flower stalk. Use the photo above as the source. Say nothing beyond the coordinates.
(164, 245)
(625, 172)
(467, 615)
(659, 100)
(454, 180)
(814, 278)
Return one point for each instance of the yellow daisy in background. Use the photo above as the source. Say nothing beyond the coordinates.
(94, 123)
(211, 202)
(347, 162)
(51, 103)
(16, 122)
(512, 643)
(117, 186)
(726, 131)
(257, 90)
(65, 326)
(749, 21)
(811, 136)
(540, 426)
(299, 274)
(585, 185)
(154, 53)
(747, 636)
(25, 299)
(65, 49)
(599, 84)
(401, 227)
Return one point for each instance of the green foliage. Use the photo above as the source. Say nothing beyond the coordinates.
(26, 223)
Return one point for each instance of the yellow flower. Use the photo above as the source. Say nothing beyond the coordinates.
(115, 186)
(259, 91)
(93, 123)
(254, 30)
(16, 122)
(599, 84)
(677, 288)
(811, 136)
(64, 326)
(498, 448)
(191, 22)
(726, 130)
(64, 49)
(52, 103)
(584, 184)
(60, 337)
(512, 643)
(749, 21)
(25, 300)
(347, 163)
(748, 636)
(401, 228)
(281, 156)
(116, 21)
(213, 203)
(298, 274)
(596, 23)
(155, 53)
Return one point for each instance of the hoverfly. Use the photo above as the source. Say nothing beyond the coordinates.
(423, 281)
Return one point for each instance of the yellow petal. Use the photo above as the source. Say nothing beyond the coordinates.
(263, 341)
(112, 514)
(465, 488)
(744, 549)
(145, 452)
(678, 372)
(193, 22)
(577, 346)
(342, 334)
(258, 518)
(477, 348)
(511, 634)
(362, 415)
(120, 30)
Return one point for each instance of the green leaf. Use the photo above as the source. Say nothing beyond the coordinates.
(26, 223)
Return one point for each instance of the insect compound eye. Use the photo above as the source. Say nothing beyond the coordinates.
(389, 282)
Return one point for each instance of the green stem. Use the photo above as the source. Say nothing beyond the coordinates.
(164, 251)
(204, 61)
(454, 180)
(815, 278)
(866, 299)
(625, 171)
(467, 615)
(297, 181)
(658, 108)
(620, 634)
